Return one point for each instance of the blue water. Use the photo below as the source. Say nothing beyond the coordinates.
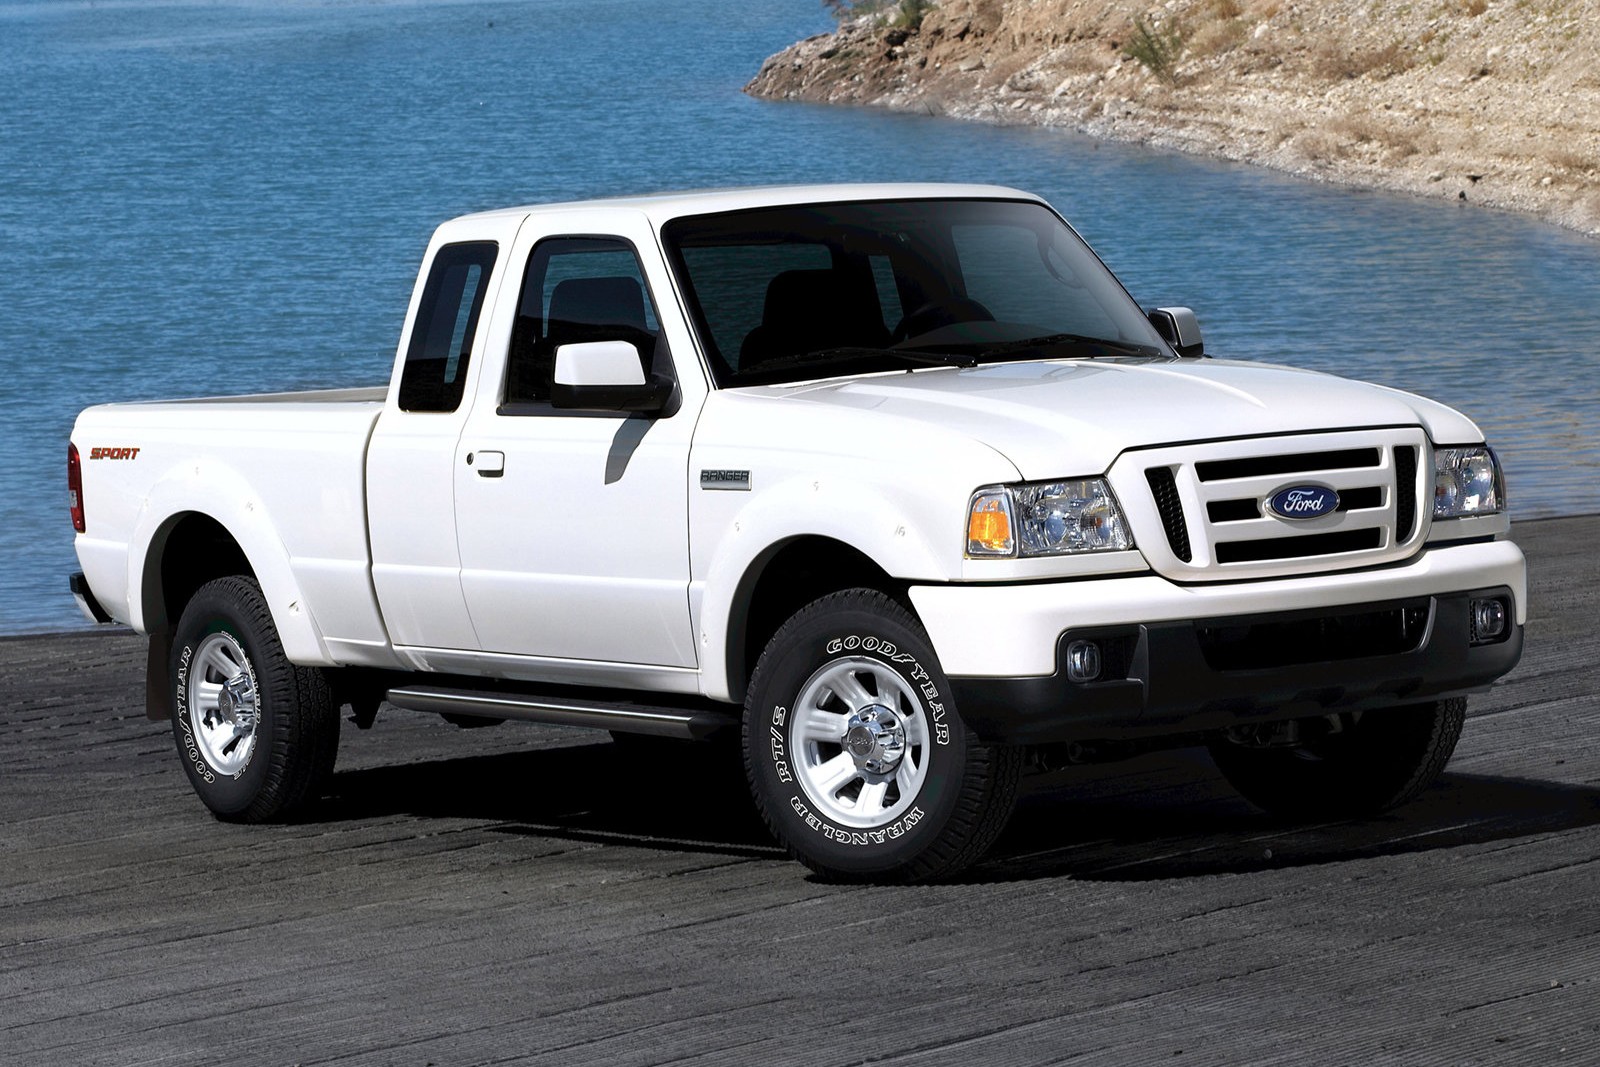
(202, 198)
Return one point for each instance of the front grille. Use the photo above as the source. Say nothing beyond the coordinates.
(1305, 545)
(1244, 510)
(1245, 646)
(1211, 502)
(1233, 510)
(1368, 496)
(1405, 505)
(1164, 487)
(1267, 466)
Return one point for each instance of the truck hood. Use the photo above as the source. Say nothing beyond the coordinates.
(1073, 417)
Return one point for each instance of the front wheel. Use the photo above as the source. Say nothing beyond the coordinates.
(257, 734)
(858, 759)
(1350, 766)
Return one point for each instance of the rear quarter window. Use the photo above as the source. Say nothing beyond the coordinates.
(435, 373)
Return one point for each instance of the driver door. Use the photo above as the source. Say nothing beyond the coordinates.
(573, 524)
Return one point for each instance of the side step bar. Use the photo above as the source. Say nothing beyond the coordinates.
(621, 715)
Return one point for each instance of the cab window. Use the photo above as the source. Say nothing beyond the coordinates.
(578, 289)
(435, 372)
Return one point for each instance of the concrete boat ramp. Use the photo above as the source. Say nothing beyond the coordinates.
(541, 895)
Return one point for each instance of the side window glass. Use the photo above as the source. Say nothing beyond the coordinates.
(579, 289)
(435, 372)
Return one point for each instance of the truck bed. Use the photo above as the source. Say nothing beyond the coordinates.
(289, 468)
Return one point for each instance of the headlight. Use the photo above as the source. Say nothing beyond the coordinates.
(1467, 481)
(1045, 519)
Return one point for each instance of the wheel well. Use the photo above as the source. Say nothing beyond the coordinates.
(788, 577)
(195, 550)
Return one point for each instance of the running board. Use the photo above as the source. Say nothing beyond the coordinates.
(621, 715)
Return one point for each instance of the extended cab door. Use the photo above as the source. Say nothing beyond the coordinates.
(416, 565)
(573, 524)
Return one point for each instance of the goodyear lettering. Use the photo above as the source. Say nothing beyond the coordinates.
(113, 453)
(181, 696)
(941, 729)
(916, 672)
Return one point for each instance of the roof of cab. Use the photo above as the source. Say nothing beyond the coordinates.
(660, 207)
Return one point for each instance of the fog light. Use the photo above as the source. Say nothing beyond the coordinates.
(1083, 661)
(1488, 620)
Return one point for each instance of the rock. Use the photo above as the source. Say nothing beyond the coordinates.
(1426, 92)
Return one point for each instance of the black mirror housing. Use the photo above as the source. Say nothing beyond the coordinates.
(1179, 328)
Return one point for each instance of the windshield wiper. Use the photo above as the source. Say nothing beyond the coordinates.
(1031, 344)
(823, 357)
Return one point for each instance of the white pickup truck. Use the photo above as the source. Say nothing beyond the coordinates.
(896, 483)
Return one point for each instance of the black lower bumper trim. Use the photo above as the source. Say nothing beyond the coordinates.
(85, 597)
(1185, 677)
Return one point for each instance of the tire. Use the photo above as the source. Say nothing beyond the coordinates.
(257, 734)
(1377, 761)
(919, 797)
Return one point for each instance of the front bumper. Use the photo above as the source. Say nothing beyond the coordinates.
(1243, 652)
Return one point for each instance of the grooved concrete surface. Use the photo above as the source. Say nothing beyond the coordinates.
(536, 895)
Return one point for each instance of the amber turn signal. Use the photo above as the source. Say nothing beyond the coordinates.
(989, 525)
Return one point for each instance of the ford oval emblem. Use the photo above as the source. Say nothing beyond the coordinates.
(1303, 502)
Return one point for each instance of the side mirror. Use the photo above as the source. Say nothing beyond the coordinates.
(1179, 328)
(606, 376)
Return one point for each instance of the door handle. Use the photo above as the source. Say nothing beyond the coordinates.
(487, 464)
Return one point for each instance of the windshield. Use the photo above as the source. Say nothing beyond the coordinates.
(794, 293)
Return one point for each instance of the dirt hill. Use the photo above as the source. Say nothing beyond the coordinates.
(1493, 101)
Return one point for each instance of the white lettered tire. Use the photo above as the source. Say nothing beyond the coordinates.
(858, 759)
(257, 734)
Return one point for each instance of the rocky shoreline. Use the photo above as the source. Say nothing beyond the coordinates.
(1494, 102)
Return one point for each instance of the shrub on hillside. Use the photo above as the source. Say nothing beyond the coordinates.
(902, 14)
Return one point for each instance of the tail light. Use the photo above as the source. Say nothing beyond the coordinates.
(75, 487)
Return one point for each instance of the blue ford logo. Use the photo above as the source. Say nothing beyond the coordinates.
(1303, 502)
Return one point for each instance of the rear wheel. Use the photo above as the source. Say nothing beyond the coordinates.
(257, 734)
(858, 759)
(1347, 766)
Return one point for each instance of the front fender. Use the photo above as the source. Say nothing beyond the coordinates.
(886, 529)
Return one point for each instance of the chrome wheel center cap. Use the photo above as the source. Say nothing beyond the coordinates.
(875, 739)
(233, 703)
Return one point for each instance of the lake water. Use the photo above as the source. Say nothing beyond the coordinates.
(202, 198)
